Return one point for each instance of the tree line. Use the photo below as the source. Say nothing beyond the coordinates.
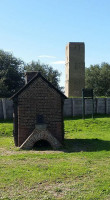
(12, 75)
(12, 72)
(98, 78)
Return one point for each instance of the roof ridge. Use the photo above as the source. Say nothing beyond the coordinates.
(35, 77)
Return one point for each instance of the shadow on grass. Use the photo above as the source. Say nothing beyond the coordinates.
(88, 117)
(87, 145)
(77, 145)
(6, 121)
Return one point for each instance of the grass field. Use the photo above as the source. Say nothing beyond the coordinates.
(79, 171)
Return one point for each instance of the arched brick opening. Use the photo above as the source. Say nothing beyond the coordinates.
(42, 145)
(40, 134)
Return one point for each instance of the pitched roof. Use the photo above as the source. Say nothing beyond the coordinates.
(32, 80)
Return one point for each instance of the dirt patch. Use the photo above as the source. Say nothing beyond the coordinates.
(4, 152)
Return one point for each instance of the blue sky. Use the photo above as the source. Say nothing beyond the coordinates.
(40, 29)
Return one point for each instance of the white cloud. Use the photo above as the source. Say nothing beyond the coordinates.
(58, 62)
(46, 56)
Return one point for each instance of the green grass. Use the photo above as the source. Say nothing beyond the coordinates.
(81, 170)
(6, 128)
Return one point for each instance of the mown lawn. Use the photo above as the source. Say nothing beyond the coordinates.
(80, 171)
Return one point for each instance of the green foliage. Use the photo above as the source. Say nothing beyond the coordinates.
(98, 78)
(11, 78)
(47, 71)
(12, 73)
(75, 172)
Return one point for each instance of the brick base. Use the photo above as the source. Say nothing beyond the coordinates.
(40, 133)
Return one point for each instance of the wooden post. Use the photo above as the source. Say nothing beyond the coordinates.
(4, 107)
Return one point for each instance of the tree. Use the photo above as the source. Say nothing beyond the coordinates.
(47, 71)
(98, 78)
(11, 74)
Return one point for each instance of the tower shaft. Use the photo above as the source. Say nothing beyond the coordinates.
(75, 69)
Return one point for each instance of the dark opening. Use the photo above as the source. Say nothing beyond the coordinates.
(40, 119)
(42, 145)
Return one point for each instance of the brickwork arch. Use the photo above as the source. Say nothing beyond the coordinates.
(38, 135)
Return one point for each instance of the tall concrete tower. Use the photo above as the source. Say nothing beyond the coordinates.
(75, 69)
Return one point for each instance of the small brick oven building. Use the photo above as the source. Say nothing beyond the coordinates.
(38, 113)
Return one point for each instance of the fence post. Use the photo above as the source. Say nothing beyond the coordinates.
(4, 107)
